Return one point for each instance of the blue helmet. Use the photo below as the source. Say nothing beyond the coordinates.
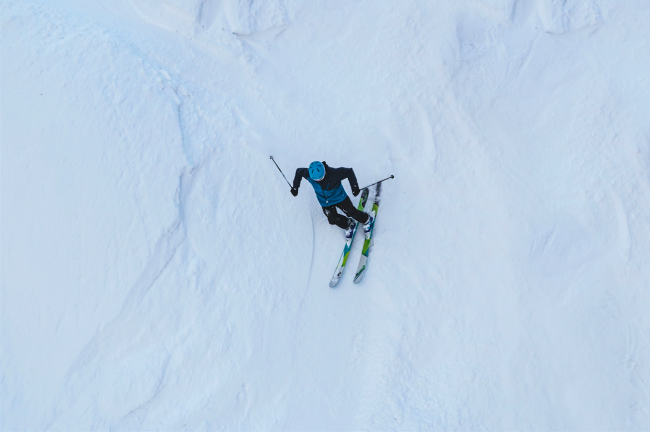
(316, 171)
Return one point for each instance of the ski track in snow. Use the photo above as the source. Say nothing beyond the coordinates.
(507, 283)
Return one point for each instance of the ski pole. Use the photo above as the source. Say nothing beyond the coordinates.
(276, 164)
(387, 178)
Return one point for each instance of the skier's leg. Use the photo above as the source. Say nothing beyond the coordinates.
(335, 218)
(350, 210)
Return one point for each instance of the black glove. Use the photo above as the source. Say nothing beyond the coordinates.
(355, 189)
(294, 191)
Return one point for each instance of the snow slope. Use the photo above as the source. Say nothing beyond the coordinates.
(157, 274)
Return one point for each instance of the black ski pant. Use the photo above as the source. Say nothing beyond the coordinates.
(335, 218)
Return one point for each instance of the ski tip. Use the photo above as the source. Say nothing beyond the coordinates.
(333, 283)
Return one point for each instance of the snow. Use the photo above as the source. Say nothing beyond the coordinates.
(157, 274)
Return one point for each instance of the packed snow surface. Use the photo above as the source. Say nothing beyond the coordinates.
(158, 275)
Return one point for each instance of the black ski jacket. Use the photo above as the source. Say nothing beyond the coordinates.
(329, 191)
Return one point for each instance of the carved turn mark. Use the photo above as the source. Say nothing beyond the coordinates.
(268, 34)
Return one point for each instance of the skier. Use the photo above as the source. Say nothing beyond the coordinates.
(331, 195)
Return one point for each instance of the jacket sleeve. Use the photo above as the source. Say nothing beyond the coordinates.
(300, 173)
(349, 174)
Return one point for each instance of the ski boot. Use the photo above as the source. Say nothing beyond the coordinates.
(349, 232)
(367, 227)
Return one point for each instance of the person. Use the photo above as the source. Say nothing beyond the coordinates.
(331, 195)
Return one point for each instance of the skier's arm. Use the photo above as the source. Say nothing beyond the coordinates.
(354, 185)
(300, 173)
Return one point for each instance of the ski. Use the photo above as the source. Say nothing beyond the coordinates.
(348, 244)
(366, 244)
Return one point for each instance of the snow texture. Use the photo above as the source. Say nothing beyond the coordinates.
(158, 275)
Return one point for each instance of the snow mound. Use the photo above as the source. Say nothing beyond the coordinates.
(562, 16)
(199, 16)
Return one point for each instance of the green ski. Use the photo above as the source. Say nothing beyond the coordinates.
(348, 244)
(366, 244)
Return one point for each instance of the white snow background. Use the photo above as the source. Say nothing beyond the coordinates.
(157, 274)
